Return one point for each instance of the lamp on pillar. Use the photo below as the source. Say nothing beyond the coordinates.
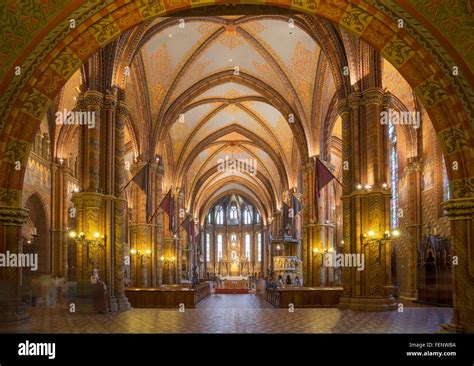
(92, 247)
(380, 241)
(168, 261)
(140, 256)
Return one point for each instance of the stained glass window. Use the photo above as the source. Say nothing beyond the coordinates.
(208, 247)
(220, 216)
(446, 190)
(219, 247)
(233, 212)
(259, 247)
(247, 246)
(392, 136)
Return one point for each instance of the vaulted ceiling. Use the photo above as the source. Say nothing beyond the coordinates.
(241, 87)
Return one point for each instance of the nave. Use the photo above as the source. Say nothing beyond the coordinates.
(235, 160)
(239, 314)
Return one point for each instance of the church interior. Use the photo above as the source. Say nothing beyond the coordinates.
(220, 167)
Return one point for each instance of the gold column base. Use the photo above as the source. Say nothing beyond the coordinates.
(368, 303)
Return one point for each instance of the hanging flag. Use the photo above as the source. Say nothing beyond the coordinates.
(286, 213)
(142, 180)
(323, 176)
(296, 204)
(167, 205)
(188, 225)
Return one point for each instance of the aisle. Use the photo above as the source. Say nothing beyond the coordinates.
(238, 301)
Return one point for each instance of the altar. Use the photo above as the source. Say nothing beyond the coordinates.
(233, 285)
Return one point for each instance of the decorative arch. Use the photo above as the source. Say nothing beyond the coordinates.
(38, 217)
(183, 167)
(212, 200)
(272, 97)
(26, 99)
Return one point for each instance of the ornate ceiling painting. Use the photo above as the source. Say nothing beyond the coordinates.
(227, 118)
(284, 67)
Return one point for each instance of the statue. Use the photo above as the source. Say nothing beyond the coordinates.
(195, 277)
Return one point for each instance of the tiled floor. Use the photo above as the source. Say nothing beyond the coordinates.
(238, 314)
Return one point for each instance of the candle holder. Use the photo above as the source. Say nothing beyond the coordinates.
(380, 241)
(92, 246)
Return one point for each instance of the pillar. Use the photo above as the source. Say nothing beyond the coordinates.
(120, 208)
(58, 220)
(414, 232)
(141, 233)
(12, 309)
(460, 212)
(364, 141)
(182, 236)
(312, 229)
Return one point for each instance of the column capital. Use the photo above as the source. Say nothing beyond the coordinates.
(121, 108)
(110, 101)
(373, 96)
(387, 99)
(87, 199)
(309, 165)
(354, 100)
(343, 107)
(13, 215)
(93, 99)
(459, 208)
(414, 164)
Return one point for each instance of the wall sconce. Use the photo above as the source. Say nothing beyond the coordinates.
(317, 252)
(140, 255)
(94, 245)
(381, 241)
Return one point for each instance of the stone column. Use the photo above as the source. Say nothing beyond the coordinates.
(157, 172)
(58, 241)
(12, 309)
(88, 206)
(312, 239)
(366, 204)
(460, 212)
(182, 235)
(141, 238)
(413, 177)
(89, 201)
(107, 187)
(120, 208)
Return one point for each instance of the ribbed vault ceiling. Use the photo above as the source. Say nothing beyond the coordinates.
(184, 92)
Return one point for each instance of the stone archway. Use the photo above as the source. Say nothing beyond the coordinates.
(31, 97)
(37, 235)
